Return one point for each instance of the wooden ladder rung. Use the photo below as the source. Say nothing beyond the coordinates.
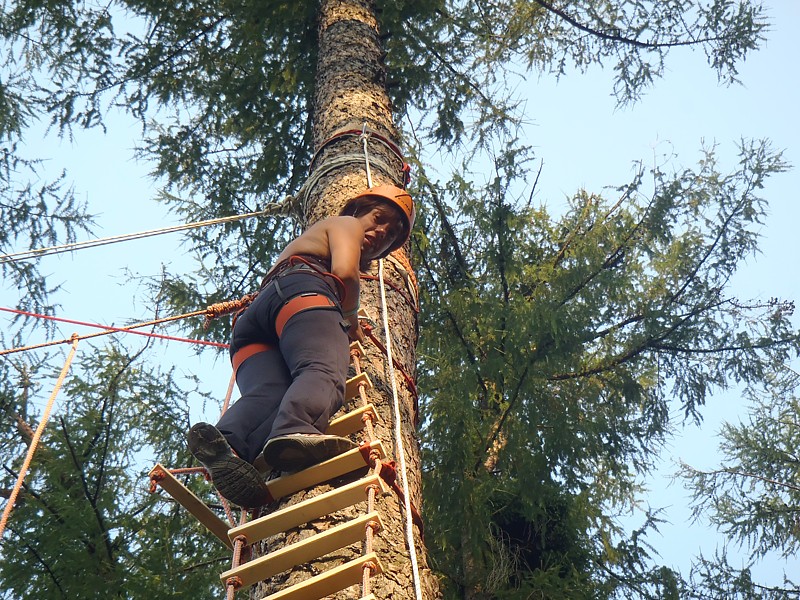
(329, 582)
(303, 551)
(351, 422)
(351, 386)
(357, 348)
(307, 510)
(337, 466)
(191, 502)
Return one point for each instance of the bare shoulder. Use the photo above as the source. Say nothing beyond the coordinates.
(336, 227)
(318, 239)
(344, 223)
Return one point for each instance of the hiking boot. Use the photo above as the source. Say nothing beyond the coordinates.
(298, 451)
(235, 479)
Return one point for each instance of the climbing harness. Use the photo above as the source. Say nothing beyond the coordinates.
(246, 352)
(312, 264)
(299, 304)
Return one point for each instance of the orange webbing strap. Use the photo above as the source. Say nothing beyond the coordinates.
(299, 304)
(37, 435)
(290, 309)
(245, 352)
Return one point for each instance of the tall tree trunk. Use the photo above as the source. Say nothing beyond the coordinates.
(351, 92)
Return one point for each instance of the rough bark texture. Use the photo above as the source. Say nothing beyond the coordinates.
(350, 93)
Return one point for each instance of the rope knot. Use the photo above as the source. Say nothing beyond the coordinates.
(371, 566)
(219, 309)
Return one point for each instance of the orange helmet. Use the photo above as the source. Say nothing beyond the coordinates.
(393, 195)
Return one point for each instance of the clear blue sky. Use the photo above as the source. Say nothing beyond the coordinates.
(584, 142)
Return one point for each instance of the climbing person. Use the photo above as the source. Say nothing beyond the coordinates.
(290, 349)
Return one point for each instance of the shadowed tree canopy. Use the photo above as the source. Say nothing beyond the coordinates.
(553, 347)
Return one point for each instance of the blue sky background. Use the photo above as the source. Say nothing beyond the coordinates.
(584, 141)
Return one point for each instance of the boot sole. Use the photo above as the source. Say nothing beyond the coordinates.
(235, 479)
(296, 452)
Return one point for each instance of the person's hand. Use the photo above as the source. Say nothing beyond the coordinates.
(355, 332)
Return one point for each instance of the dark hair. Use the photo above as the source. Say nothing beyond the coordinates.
(359, 206)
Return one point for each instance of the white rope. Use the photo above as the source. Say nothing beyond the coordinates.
(36, 252)
(398, 433)
(365, 139)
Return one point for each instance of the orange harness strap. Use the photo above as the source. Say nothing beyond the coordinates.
(245, 352)
(290, 309)
(299, 304)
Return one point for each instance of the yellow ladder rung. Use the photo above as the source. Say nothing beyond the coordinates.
(351, 389)
(303, 551)
(307, 510)
(351, 422)
(329, 582)
(337, 466)
(191, 502)
(359, 349)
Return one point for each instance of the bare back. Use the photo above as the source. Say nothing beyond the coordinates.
(338, 240)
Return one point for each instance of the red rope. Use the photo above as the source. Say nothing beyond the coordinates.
(396, 288)
(409, 380)
(108, 328)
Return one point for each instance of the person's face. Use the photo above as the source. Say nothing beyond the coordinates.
(381, 228)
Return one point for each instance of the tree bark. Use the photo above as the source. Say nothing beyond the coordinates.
(350, 93)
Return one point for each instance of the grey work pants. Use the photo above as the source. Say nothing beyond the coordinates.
(299, 384)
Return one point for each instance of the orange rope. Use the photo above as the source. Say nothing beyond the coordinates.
(225, 308)
(228, 394)
(37, 435)
(402, 258)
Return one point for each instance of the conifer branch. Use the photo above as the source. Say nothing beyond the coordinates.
(614, 34)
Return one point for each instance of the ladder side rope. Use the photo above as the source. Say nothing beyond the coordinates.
(273, 208)
(228, 394)
(399, 440)
(37, 436)
(373, 459)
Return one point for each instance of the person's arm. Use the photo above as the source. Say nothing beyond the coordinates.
(345, 236)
